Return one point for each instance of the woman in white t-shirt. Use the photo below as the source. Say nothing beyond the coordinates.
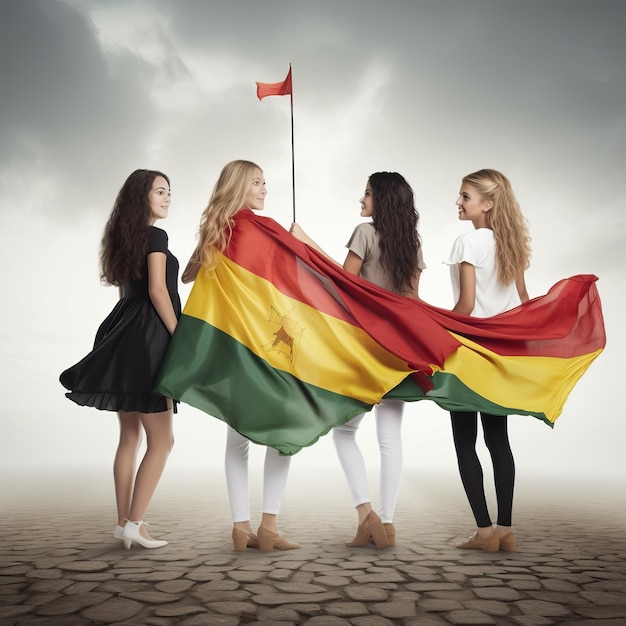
(487, 271)
(387, 252)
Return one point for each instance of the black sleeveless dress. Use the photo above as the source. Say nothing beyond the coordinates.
(118, 374)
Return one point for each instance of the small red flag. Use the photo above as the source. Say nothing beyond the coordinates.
(274, 89)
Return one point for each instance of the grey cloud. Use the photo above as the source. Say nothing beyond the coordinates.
(535, 88)
(67, 109)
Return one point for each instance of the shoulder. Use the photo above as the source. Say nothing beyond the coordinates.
(467, 247)
(248, 223)
(157, 240)
(244, 213)
(462, 240)
(364, 231)
(366, 228)
(362, 238)
(483, 240)
(484, 234)
(475, 237)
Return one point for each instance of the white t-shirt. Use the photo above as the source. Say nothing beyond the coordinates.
(478, 248)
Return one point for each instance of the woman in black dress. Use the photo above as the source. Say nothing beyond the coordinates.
(118, 374)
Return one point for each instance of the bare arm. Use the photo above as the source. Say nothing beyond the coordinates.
(300, 235)
(467, 296)
(353, 263)
(191, 271)
(521, 289)
(157, 290)
(414, 293)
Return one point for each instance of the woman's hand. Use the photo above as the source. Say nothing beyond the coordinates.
(193, 266)
(157, 290)
(467, 297)
(299, 234)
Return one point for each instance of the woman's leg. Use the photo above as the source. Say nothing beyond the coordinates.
(495, 429)
(389, 433)
(236, 466)
(354, 468)
(464, 430)
(159, 444)
(125, 462)
(275, 473)
(353, 465)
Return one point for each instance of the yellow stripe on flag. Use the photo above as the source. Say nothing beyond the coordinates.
(539, 384)
(292, 336)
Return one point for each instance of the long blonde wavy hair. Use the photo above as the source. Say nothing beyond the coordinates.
(228, 197)
(507, 223)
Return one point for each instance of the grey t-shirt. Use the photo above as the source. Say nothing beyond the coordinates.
(364, 243)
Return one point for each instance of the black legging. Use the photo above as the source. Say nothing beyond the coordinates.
(464, 430)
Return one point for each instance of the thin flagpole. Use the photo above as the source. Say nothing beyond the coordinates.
(293, 160)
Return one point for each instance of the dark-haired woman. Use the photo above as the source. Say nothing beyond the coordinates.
(118, 374)
(387, 252)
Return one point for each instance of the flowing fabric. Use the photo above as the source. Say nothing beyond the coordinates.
(283, 344)
(118, 374)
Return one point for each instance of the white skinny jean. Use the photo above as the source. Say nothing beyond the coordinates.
(275, 472)
(388, 432)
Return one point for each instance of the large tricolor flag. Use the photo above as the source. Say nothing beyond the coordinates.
(282, 344)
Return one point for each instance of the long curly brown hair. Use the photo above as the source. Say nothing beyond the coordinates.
(395, 219)
(124, 245)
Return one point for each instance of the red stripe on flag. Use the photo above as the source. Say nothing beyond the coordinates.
(565, 322)
(264, 248)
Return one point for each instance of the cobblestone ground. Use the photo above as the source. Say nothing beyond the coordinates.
(60, 565)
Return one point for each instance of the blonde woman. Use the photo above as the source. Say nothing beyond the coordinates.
(487, 270)
(241, 186)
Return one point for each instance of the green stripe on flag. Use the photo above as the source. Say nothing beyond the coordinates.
(208, 369)
(452, 395)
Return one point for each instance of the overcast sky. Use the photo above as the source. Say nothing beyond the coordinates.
(92, 89)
